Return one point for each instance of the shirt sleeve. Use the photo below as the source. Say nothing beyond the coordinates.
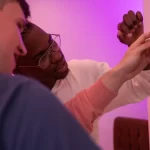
(89, 104)
(83, 107)
(33, 119)
(132, 91)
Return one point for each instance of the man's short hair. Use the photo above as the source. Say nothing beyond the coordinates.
(23, 4)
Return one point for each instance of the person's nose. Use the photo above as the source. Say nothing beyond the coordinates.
(21, 50)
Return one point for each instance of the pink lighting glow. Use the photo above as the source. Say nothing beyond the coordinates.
(88, 31)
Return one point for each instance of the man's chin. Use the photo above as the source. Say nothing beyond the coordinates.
(61, 75)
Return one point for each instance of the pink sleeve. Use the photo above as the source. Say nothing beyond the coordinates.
(89, 104)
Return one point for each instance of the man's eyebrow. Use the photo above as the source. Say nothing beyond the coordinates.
(42, 51)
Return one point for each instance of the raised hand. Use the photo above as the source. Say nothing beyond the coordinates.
(130, 28)
(136, 58)
(134, 61)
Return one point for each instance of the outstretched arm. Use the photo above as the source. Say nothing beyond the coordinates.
(90, 103)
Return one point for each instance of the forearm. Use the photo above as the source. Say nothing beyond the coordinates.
(113, 79)
(132, 91)
(89, 104)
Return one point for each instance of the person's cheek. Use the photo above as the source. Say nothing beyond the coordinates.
(56, 57)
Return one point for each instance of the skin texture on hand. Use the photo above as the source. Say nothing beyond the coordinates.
(113, 79)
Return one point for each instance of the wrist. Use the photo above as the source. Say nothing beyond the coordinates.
(113, 79)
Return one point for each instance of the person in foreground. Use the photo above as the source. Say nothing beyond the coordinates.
(31, 118)
(46, 63)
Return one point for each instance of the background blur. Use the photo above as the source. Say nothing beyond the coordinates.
(88, 31)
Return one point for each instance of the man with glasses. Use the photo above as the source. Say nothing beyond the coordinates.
(36, 62)
(31, 118)
(46, 63)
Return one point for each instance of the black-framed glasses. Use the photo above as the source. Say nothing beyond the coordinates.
(45, 59)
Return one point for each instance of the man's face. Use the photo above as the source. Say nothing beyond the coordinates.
(12, 23)
(37, 43)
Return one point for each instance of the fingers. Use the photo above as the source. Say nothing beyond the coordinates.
(121, 36)
(140, 40)
(139, 17)
(143, 47)
(122, 27)
(130, 22)
(132, 16)
(122, 32)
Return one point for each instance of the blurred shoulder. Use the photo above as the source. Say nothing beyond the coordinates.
(88, 65)
(16, 84)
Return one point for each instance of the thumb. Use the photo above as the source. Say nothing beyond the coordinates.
(140, 40)
(145, 46)
(121, 36)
